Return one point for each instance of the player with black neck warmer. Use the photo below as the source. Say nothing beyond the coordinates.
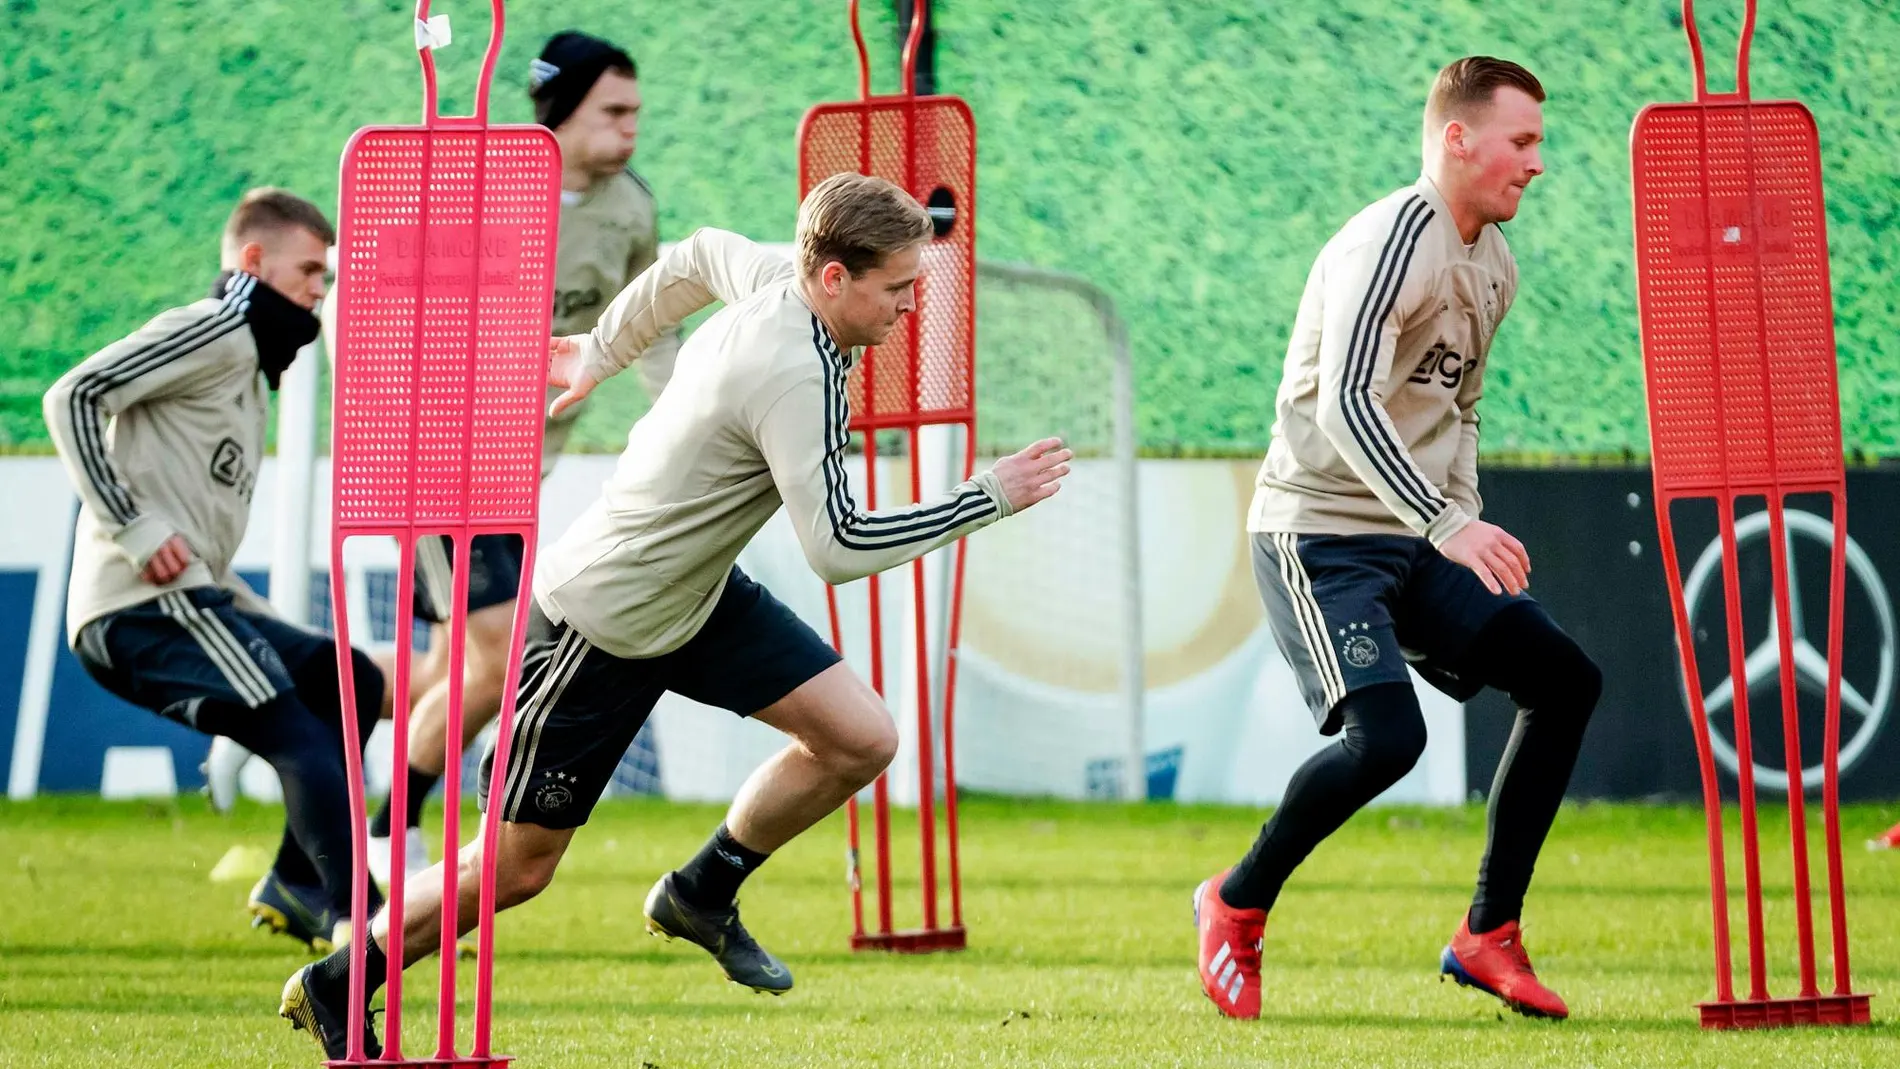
(162, 433)
(279, 325)
(587, 91)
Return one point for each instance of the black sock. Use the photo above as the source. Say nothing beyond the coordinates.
(420, 784)
(1383, 738)
(330, 977)
(379, 824)
(712, 878)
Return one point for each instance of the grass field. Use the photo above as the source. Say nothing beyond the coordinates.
(115, 949)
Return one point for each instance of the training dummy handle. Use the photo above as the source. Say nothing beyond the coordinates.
(433, 33)
(920, 12)
(1702, 93)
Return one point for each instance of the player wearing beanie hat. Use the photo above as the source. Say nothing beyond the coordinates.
(587, 91)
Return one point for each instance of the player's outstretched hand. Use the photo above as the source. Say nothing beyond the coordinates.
(170, 562)
(564, 369)
(1033, 474)
(1490, 551)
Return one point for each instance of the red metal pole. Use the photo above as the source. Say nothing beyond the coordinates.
(1745, 752)
(864, 59)
(398, 792)
(452, 802)
(353, 769)
(1831, 746)
(1791, 743)
(881, 791)
(491, 820)
(853, 872)
(1705, 756)
(951, 657)
(926, 768)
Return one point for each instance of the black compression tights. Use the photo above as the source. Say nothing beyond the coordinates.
(1555, 687)
(299, 734)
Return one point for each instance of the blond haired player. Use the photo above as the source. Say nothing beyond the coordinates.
(641, 595)
(587, 91)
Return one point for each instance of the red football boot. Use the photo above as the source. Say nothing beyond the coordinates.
(1495, 962)
(1230, 950)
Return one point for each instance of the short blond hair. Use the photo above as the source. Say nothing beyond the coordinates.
(269, 210)
(857, 221)
(1468, 86)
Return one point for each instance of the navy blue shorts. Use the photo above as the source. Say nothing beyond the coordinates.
(1352, 611)
(494, 574)
(579, 707)
(188, 647)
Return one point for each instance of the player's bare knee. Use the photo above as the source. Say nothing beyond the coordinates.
(490, 631)
(519, 875)
(482, 685)
(485, 667)
(864, 753)
(523, 882)
(880, 750)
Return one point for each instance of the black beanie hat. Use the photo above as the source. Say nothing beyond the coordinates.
(570, 63)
